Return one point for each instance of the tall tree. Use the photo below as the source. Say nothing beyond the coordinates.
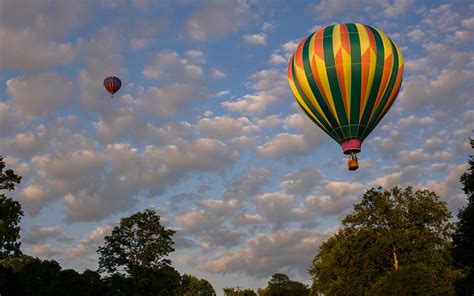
(10, 214)
(138, 243)
(390, 236)
(463, 240)
(192, 286)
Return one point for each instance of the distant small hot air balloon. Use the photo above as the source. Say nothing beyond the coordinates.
(345, 78)
(112, 84)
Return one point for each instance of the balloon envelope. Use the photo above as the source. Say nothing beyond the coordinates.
(345, 78)
(112, 84)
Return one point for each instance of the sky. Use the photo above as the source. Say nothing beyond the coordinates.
(205, 129)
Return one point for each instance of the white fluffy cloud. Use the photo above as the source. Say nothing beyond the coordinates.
(258, 39)
(269, 86)
(38, 234)
(88, 245)
(32, 99)
(217, 19)
(284, 251)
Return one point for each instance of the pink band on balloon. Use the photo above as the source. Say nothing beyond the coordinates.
(351, 146)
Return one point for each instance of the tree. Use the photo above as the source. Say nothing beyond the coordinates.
(139, 243)
(463, 240)
(239, 292)
(10, 214)
(36, 276)
(192, 286)
(281, 285)
(390, 236)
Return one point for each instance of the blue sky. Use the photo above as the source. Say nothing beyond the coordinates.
(205, 129)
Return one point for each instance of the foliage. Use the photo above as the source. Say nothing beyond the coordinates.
(389, 236)
(37, 275)
(238, 292)
(281, 285)
(192, 286)
(139, 242)
(463, 240)
(414, 279)
(10, 214)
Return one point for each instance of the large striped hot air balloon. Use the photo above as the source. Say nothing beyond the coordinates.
(112, 84)
(345, 77)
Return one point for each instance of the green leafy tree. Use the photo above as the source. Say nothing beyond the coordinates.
(138, 247)
(391, 235)
(118, 285)
(463, 240)
(139, 242)
(239, 292)
(163, 281)
(281, 285)
(10, 214)
(37, 276)
(192, 286)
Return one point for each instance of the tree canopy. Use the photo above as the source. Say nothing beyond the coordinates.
(463, 240)
(138, 242)
(192, 286)
(10, 213)
(390, 236)
(281, 285)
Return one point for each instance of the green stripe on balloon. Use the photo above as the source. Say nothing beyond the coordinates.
(379, 63)
(317, 93)
(334, 82)
(356, 77)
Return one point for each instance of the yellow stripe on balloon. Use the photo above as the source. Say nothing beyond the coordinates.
(387, 71)
(372, 66)
(324, 82)
(303, 105)
(301, 76)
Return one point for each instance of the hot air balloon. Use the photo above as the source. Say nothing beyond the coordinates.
(112, 84)
(345, 78)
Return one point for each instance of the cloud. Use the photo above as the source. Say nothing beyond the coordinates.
(276, 208)
(89, 244)
(34, 197)
(449, 188)
(269, 86)
(284, 145)
(32, 100)
(419, 92)
(44, 251)
(408, 176)
(170, 65)
(276, 59)
(248, 183)
(217, 19)
(257, 39)
(327, 9)
(164, 102)
(443, 18)
(264, 254)
(399, 7)
(32, 31)
(302, 181)
(335, 198)
(209, 216)
(201, 154)
(38, 234)
(9, 123)
(26, 50)
(222, 238)
(218, 74)
(225, 127)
